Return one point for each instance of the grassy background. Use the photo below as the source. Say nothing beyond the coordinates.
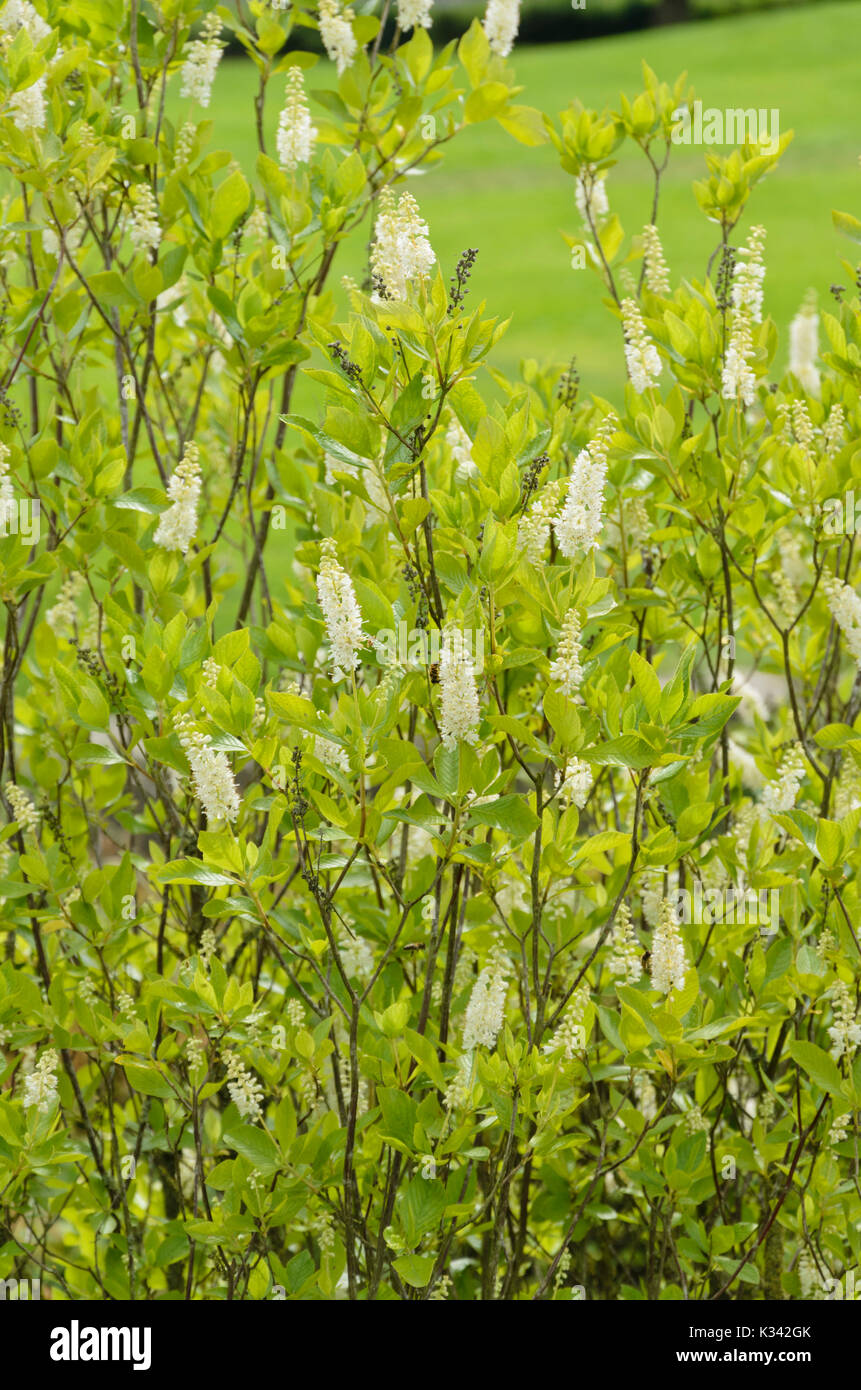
(512, 202)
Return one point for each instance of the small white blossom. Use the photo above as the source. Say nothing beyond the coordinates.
(641, 355)
(845, 607)
(201, 63)
(657, 273)
(645, 1096)
(62, 616)
(401, 254)
(533, 529)
(566, 672)
(20, 14)
(738, 381)
(331, 754)
(28, 106)
(178, 525)
(8, 501)
(780, 795)
(296, 132)
(208, 946)
(626, 959)
(570, 1037)
(669, 965)
(460, 712)
(23, 810)
(460, 445)
(695, 1121)
(576, 783)
(144, 228)
(578, 526)
(414, 14)
(485, 1012)
(356, 955)
(501, 22)
(337, 34)
(212, 776)
(341, 612)
(845, 1032)
(40, 1086)
(210, 671)
(245, 1090)
(834, 431)
(590, 195)
(749, 274)
(804, 348)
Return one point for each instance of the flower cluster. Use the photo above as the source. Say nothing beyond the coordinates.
(63, 614)
(500, 24)
(245, 1090)
(212, 777)
(459, 443)
(144, 227)
(590, 195)
(738, 382)
(578, 526)
(28, 106)
(845, 607)
(845, 1032)
(177, 526)
(40, 1086)
(533, 530)
(657, 273)
(23, 810)
(201, 63)
(341, 612)
(626, 959)
(804, 347)
(8, 502)
(485, 1012)
(401, 255)
(669, 966)
(575, 783)
(336, 31)
(460, 712)
(641, 355)
(296, 133)
(414, 14)
(570, 1037)
(566, 672)
(748, 276)
(780, 795)
(356, 955)
(20, 14)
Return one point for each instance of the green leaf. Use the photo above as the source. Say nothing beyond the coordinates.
(424, 1052)
(847, 224)
(647, 683)
(229, 202)
(509, 813)
(415, 1270)
(819, 1066)
(193, 871)
(148, 1080)
(829, 843)
(399, 1114)
(254, 1144)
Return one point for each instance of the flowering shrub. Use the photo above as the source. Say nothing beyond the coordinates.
(430, 865)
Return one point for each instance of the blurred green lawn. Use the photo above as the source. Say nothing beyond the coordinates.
(512, 202)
